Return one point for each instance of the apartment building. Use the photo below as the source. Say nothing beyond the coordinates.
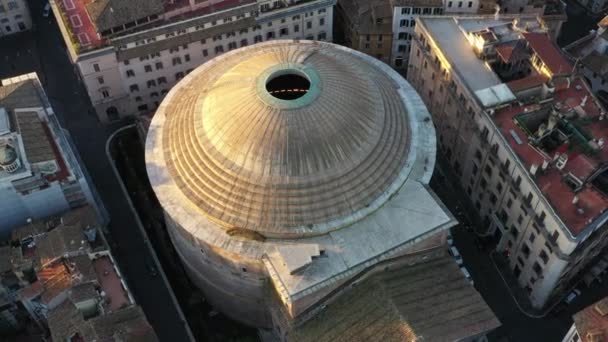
(14, 17)
(40, 173)
(365, 24)
(58, 273)
(526, 138)
(128, 63)
(590, 54)
(404, 14)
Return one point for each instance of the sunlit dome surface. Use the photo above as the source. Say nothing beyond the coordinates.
(291, 139)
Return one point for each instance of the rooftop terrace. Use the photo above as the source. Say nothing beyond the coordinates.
(27, 118)
(561, 141)
(111, 283)
(88, 21)
(577, 137)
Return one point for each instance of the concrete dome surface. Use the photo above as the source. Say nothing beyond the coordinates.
(291, 140)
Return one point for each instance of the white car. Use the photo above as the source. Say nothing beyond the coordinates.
(467, 275)
(456, 255)
(47, 10)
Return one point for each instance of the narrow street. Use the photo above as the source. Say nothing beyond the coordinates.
(516, 326)
(205, 323)
(43, 51)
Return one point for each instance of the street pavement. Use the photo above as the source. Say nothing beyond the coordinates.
(43, 51)
(516, 325)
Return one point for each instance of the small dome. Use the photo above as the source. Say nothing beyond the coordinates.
(8, 155)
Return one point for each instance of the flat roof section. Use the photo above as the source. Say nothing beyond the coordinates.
(447, 34)
(591, 203)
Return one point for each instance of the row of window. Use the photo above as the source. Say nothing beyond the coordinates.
(422, 10)
(9, 29)
(12, 5)
(230, 19)
(407, 23)
(218, 50)
(269, 35)
(469, 4)
(404, 36)
(6, 20)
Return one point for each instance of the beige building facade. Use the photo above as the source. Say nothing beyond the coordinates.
(364, 24)
(129, 70)
(484, 79)
(14, 17)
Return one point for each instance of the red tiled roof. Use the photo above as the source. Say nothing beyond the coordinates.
(548, 53)
(110, 282)
(589, 319)
(527, 82)
(63, 171)
(591, 202)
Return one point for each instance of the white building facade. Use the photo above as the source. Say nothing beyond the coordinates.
(404, 21)
(133, 72)
(548, 235)
(14, 17)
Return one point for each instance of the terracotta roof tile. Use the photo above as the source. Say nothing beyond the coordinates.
(549, 53)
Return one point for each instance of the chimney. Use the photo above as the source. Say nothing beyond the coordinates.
(545, 165)
(561, 161)
(556, 156)
(533, 169)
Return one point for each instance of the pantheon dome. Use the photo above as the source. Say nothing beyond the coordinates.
(288, 166)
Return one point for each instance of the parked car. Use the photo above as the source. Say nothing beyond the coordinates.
(456, 255)
(450, 239)
(47, 10)
(467, 275)
(572, 296)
